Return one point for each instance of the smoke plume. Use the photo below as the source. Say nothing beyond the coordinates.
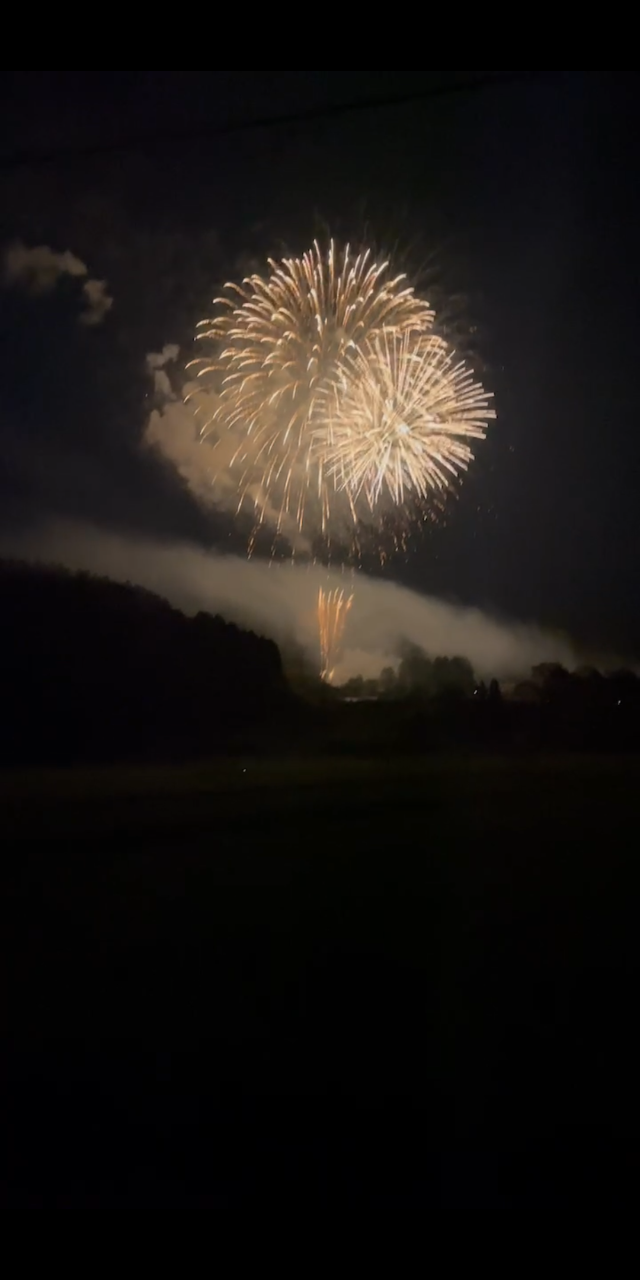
(280, 600)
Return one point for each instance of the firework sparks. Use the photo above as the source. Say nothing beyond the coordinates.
(333, 611)
(285, 344)
(330, 409)
(403, 423)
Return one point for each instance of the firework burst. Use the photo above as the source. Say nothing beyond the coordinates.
(285, 344)
(403, 422)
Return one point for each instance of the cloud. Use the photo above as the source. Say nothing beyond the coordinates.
(156, 361)
(209, 466)
(173, 431)
(280, 600)
(39, 270)
(97, 301)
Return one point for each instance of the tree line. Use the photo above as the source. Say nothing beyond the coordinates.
(96, 670)
(436, 703)
(93, 670)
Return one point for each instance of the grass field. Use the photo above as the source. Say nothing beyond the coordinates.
(327, 972)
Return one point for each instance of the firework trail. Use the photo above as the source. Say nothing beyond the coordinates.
(333, 610)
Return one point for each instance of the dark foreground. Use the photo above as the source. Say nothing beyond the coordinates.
(319, 982)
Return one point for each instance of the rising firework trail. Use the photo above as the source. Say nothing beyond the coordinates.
(333, 610)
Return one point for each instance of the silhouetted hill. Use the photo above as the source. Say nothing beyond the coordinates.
(93, 669)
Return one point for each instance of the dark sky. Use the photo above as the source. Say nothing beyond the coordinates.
(517, 203)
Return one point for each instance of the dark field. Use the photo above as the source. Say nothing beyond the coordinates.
(323, 979)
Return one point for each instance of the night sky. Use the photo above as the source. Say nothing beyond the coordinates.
(516, 205)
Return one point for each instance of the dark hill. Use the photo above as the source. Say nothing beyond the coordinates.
(95, 670)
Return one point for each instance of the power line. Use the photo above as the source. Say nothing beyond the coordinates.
(26, 157)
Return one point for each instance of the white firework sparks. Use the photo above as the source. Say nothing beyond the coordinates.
(403, 422)
(285, 344)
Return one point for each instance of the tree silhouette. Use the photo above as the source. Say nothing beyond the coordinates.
(93, 669)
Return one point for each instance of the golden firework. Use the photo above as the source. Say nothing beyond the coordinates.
(285, 345)
(333, 610)
(403, 423)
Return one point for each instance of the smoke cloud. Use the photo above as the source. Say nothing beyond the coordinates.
(97, 301)
(39, 270)
(156, 361)
(279, 600)
(174, 430)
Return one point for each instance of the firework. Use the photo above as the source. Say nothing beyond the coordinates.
(404, 421)
(333, 610)
(286, 344)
